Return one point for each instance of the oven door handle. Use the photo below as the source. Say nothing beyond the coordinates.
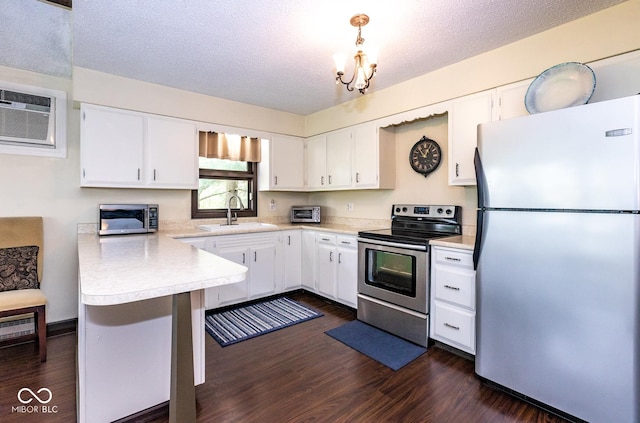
(393, 244)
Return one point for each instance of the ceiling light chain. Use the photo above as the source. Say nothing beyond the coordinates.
(361, 75)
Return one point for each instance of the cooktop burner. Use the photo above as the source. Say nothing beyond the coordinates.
(416, 224)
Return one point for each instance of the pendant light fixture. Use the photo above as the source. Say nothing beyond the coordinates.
(365, 67)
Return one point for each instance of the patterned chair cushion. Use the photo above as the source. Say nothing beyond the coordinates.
(19, 268)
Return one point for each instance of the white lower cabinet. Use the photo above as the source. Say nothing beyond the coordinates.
(347, 286)
(453, 298)
(337, 267)
(309, 260)
(256, 251)
(321, 262)
(291, 259)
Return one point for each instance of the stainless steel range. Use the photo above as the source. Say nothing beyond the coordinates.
(393, 268)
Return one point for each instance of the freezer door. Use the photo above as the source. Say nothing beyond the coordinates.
(559, 308)
(584, 157)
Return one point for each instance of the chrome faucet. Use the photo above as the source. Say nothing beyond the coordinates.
(230, 219)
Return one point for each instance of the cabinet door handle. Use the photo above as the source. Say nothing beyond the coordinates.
(243, 258)
(339, 258)
(452, 258)
(455, 288)
(330, 256)
(288, 239)
(357, 177)
(322, 180)
(345, 242)
(457, 170)
(325, 239)
(138, 174)
(154, 174)
(255, 256)
(329, 179)
(83, 173)
(452, 326)
(275, 180)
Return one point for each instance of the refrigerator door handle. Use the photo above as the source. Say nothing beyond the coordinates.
(481, 184)
(480, 180)
(478, 241)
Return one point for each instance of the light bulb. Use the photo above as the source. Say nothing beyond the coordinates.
(340, 60)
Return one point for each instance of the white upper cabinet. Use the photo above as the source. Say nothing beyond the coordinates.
(359, 157)
(339, 151)
(316, 158)
(374, 152)
(111, 147)
(125, 149)
(282, 164)
(465, 114)
(172, 153)
(511, 100)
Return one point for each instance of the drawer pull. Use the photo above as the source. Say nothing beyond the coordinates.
(452, 326)
(455, 288)
(452, 258)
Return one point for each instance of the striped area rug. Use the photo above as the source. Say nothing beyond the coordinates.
(242, 323)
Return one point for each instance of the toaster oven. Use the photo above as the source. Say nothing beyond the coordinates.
(305, 214)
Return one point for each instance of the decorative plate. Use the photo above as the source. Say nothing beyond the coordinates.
(564, 85)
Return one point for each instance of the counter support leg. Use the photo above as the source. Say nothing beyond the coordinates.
(182, 402)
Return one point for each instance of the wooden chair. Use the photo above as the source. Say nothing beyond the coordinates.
(19, 290)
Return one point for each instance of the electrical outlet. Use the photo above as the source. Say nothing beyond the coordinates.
(349, 207)
(272, 204)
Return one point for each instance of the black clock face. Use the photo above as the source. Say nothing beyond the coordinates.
(425, 156)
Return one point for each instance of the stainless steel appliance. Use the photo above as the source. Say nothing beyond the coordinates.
(558, 259)
(393, 268)
(121, 219)
(305, 214)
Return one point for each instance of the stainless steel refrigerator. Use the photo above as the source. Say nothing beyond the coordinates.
(558, 259)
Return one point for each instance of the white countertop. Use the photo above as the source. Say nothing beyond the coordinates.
(464, 242)
(122, 269)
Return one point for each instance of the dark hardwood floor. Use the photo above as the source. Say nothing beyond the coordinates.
(297, 374)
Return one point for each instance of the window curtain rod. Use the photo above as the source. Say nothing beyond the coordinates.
(229, 146)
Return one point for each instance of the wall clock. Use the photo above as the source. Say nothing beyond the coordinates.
(425, 156)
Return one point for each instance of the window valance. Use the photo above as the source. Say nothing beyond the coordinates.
(229, 146)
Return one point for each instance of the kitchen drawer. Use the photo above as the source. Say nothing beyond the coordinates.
(326, 238)
(455, 285)
(453, 257)
(455, 325)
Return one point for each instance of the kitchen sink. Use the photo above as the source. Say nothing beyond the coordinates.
(238, 227)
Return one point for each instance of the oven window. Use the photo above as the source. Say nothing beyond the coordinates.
(122, 219)
(392, 271)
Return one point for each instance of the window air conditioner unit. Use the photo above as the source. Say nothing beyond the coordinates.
(28, 118)
(33, 120)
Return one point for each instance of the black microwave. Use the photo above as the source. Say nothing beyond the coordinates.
(122, 219)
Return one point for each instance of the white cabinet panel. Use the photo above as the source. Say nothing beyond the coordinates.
(172, 157)
(326, 264)
(282, 165)
(347, 271)
(235, 292)
(316, 159)
(374, 164)
(126, 149)
(464, 116)
(112, 147)
(339, 151)
(292, 259)
(455, 325)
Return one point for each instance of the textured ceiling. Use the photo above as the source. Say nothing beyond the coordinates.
(275, 54)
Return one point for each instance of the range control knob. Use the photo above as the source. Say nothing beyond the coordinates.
(440, 210)
(449, 211)
(404, 209)
(397, 209)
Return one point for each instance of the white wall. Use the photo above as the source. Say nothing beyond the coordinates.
(50, 187)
